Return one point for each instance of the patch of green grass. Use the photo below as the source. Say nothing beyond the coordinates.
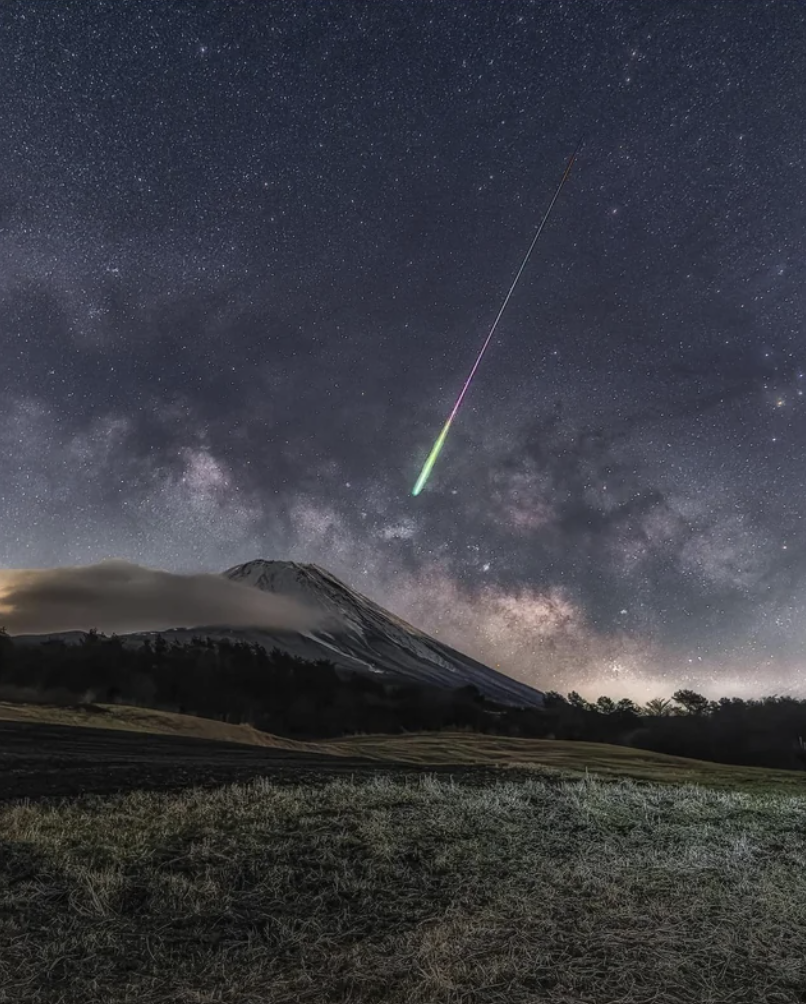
(406, 892)
(567, 758)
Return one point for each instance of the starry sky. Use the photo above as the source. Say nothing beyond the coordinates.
(249, 251)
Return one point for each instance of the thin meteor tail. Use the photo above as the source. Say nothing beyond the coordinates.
(437, 447)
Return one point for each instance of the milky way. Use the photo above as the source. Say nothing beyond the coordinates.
(243, 245)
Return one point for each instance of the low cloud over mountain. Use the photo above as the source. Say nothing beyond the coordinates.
(117, 596)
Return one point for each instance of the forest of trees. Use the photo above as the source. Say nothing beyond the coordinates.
(230, 681)
(243, 683)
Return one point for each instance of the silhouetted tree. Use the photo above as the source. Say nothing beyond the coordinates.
(577, 701)
(6, 649)
(692, 702)
(658, 707)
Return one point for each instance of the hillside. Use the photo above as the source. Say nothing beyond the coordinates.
(572, 759)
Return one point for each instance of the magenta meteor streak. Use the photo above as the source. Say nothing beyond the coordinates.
(432, 456)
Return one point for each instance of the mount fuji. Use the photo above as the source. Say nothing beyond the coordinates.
(353, 633)
(360, 636)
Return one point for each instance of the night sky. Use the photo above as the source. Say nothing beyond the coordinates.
(249, 251)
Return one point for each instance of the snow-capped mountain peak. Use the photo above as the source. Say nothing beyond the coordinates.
(361, 635)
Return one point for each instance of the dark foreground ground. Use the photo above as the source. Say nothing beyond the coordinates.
(399, 890)
(43, 761)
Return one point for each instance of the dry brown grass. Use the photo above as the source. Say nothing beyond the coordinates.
(406, 892)
(132, 719)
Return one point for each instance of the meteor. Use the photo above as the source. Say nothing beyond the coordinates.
(435, 451)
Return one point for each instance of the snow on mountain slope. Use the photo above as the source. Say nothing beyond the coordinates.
(362, 636)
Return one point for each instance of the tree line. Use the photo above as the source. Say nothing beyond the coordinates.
(765, 732)
(239, 682)
(233, 681)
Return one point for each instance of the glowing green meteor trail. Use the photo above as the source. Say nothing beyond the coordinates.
(432, 456)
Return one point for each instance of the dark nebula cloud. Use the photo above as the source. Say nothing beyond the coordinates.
(248, 253)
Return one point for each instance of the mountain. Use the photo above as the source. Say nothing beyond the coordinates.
(357, 635)
(362, 636)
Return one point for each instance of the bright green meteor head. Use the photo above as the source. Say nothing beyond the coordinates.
(432, 458)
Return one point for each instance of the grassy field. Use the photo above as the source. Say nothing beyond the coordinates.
(131, 719)
(407, 892)
(431, 749)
